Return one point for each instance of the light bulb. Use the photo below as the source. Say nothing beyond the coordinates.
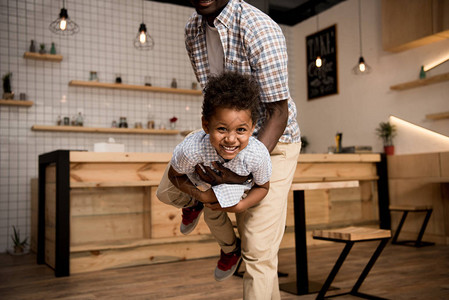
(142, 37)
(362, 67)
(318, 62)
(63, 24)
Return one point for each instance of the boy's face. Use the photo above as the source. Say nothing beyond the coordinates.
(229, 131)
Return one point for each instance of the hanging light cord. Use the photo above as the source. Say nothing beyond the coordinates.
(360, 27)
(142, 10)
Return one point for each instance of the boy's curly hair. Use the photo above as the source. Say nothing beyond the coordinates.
(231, 90)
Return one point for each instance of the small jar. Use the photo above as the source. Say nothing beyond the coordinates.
(93, 76)
(123, 123)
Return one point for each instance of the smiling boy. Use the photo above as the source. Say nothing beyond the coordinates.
(230, 112)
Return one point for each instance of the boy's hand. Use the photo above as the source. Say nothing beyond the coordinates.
(220, 176)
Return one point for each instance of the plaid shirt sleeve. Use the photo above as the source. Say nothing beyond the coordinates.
(267, 55)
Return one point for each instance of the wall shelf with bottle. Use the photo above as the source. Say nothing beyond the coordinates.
(104, 130)
(121, 86)
(420, 82)
(45, 56)
(438, 116)
(16, 103)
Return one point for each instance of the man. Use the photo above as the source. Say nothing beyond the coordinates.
(232, 35)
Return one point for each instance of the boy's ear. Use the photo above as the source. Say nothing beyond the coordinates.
(205, 125)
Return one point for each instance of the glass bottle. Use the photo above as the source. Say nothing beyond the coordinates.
(422, 73)
(80, 119)
(32, 46)
(150, 124)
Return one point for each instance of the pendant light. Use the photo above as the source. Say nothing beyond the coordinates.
(63, 25)
(143, 40)
(318, 60)
(361, 68)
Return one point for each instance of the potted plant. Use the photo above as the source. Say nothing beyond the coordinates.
(7, 92)
(19, 244)
(387, 132)
(42, 49)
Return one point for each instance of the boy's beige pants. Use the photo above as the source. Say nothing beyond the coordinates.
(261, 227)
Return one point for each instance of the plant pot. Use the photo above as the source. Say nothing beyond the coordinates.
(389, 150)
(8, 96)
(18, 252)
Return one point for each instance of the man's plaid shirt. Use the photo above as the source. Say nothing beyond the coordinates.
(252, 44)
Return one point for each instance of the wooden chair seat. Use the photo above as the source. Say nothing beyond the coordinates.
(350, 236)
(410, 207)
(405, 210)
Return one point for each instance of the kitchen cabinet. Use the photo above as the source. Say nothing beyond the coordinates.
(410, 24)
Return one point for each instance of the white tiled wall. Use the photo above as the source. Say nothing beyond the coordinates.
(104, 44)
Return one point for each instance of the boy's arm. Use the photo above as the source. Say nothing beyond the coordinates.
(183, 183)
(255, 195)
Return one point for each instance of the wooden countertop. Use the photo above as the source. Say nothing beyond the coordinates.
(81, 156)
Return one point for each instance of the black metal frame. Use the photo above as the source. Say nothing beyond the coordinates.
(418, 243)
(383, 193)
(302, 285)
(355, 289)
(62, 223)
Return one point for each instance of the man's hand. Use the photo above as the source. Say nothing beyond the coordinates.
(220, 175)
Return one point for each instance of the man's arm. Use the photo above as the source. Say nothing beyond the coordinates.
(183, 183)
(274, 126)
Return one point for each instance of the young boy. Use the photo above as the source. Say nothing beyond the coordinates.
(230, 112)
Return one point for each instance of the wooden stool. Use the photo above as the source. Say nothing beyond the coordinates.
(349, 236)
(406, 209)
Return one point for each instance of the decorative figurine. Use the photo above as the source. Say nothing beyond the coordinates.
(53, 49)
(174, 84)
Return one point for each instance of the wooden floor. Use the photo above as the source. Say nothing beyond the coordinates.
(401, 272)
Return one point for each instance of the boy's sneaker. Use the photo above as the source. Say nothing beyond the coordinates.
(227, 264)
(190, 217)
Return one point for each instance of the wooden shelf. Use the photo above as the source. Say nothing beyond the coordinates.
(38, 56)
(438, 116)
(16, 102)
(93, 184)
(121, 86)
(420, 82)
(103, 130)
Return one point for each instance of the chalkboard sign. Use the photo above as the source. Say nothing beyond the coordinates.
(322, 81)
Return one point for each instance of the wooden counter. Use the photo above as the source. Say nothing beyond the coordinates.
(99, 210)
